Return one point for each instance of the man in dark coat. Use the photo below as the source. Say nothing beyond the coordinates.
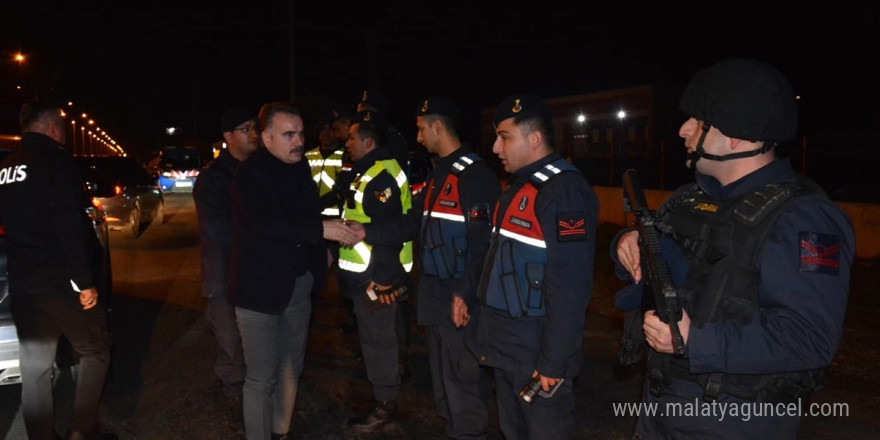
(278, 260)
(213, 206)
(52, 247)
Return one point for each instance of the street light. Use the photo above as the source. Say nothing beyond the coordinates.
(73, 137)
(19, 58)
(582, 121)
(621, 115)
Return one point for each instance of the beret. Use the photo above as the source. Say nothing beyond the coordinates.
(522, 106)
(434, 105)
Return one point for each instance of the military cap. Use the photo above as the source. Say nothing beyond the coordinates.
(434, 105)
(522, 106)
(235, 116)
(374, 100)
(373, 119)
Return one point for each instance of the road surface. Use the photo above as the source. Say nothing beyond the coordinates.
(160, 381)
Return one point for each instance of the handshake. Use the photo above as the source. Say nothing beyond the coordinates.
(344, 232)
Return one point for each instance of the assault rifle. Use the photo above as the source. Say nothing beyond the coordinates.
(667, 303)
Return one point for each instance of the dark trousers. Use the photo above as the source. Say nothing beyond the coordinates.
(40, 321)
(458, 380)
(377, 330)
(543, 419)
(229, 366)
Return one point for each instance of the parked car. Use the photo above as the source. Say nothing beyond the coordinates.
(10, 371)
(130, 196)
(179, 168)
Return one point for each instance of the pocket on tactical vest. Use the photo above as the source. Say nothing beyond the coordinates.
(459, 244)
(535, 278)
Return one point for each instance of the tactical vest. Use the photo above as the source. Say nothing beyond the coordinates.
(519, 251)
(357, 259)
(324, 172)
(444, 226)
(722, 241)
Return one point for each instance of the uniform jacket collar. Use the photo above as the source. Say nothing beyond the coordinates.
(40, 141)
(775, 171)
(445, 163)
(369, 159)
(525, 172)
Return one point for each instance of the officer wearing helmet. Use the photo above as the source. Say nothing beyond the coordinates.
(765, 257)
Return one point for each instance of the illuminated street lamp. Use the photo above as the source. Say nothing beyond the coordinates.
(73, 137)
(621, 115)
(19, 58)
(583, 145)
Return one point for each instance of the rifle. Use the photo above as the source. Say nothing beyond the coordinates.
(667, 303)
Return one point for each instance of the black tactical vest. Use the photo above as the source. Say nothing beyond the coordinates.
(722, 240)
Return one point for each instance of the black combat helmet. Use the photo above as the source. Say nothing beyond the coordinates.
(745, 99)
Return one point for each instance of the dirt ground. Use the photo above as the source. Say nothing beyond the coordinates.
(176, 400)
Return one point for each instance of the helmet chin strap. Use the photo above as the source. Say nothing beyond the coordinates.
(701, 153)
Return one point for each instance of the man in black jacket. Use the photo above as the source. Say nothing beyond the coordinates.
(278, 259)
(52, 247)
(213, 206)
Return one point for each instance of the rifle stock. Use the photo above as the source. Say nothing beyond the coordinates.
(667, 303)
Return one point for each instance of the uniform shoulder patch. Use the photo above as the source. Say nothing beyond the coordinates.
(819, 253)
(383, 195)
(571, 226)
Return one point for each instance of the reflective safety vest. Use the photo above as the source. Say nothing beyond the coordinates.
(444, 226)
(519, 251)
(357, 259)
(324, 172)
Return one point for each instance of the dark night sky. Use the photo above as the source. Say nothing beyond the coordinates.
(143, 66)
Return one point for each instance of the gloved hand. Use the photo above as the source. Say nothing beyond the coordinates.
(377, 295)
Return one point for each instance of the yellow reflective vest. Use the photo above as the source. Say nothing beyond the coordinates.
(357, 259)
(324, 172)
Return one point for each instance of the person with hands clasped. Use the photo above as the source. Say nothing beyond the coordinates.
(538, 277)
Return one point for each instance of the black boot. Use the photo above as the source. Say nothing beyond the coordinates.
(281, 436)
(383, 417)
